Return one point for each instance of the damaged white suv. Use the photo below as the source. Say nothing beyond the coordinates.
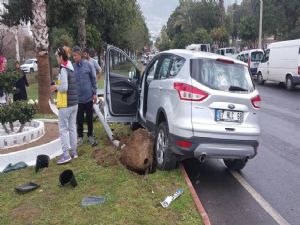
(197, 104)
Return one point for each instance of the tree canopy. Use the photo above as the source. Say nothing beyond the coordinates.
(115, 22)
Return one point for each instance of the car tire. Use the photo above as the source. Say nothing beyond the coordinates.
(260, 79)
(31, 70)
(165, 159)
(235, 164)
(289, 84)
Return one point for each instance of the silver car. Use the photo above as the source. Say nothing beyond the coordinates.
(197, 104)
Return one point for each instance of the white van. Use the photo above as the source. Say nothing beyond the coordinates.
(199, 47)
(252, 58)
(229, 51)
(281, 63)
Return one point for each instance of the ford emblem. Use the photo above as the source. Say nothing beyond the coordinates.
(231, 106)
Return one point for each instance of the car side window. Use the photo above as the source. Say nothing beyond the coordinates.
(246, 57)
(164, 67)
(151, 71)
(121, 65)
(266, 56)
(242, 57)
(177, 64)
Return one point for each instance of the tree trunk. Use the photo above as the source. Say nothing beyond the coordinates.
(81, 26)
(40, 34)
(44, 83)
(5, 128)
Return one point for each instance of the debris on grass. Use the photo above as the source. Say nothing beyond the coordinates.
(93, 200)
(165, 203)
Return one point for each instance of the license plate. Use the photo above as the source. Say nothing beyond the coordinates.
(229, 116)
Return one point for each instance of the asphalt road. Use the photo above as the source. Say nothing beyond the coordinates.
(274, 173)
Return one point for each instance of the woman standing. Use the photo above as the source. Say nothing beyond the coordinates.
(21, 85)
(3, 96)
(67, 104)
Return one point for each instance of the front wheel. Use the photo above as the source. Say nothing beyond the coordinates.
(235, 164)
(165, 158)
(289, 84)
(31, 70)
(260, 79)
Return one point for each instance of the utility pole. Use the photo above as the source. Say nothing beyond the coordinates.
(260, 24)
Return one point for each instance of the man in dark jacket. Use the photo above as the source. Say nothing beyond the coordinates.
(87, 94)
(21, 85)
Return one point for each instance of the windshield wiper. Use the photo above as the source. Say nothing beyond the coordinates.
(236, 88)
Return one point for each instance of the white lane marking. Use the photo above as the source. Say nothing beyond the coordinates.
(260, 200)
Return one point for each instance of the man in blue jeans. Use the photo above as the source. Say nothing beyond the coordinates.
(87, 94)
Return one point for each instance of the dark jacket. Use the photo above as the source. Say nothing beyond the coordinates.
(21, 85)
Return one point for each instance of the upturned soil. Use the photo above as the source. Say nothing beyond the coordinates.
(137, 155)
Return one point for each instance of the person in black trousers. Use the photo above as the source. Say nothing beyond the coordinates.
(87, 94)
(21, 85)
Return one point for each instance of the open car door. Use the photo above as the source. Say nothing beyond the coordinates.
(122, 80)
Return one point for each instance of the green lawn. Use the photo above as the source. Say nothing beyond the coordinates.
(131, 198)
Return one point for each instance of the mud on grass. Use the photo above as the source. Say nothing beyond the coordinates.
(130, 198)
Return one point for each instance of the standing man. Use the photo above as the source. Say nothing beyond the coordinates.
(87, 94)
(87, 55)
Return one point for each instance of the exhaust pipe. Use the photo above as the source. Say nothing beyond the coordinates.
(202, 158)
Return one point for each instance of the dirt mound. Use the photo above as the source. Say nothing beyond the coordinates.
(107, 157)
(138, 152)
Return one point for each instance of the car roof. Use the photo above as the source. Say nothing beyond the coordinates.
(189, 54)
(251, 50)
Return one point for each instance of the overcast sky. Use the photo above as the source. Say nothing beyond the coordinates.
(157, 12)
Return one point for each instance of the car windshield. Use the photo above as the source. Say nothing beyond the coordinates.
(29, 61)
(221, 75)
(229, 51)
(256, 56)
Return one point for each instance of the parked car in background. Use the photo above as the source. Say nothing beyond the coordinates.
(252, 58)
(281, 63)
(29, 66)
(199, 47)
(229, 52)
(197, 104)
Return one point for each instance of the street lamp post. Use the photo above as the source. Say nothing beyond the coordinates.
(260, 24)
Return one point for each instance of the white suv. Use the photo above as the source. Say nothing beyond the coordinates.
(29, 66)
(197, 104)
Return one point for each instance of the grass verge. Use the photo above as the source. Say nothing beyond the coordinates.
(131, 199)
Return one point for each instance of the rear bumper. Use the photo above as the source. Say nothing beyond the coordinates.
(296, 80)
(214, 148)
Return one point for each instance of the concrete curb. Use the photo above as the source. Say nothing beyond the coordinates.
(195, 197)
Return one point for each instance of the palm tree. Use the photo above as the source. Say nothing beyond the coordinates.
(40, 35)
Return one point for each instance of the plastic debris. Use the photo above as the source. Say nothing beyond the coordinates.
(165, 203)
(66, 177)
(27, 187)
(10, 167)
(93, 200)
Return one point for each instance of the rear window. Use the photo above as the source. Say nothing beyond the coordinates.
(256, 56)
(221, 76)
(229, 51)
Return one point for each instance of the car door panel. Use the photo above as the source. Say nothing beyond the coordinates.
(124, 95)
(121, 86)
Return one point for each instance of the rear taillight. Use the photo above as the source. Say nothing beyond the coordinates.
(299, 70)
(226, 61)
(190, 93)
(184, 144)
(256, 101)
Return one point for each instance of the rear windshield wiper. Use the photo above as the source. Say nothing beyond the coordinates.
(236, 88)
